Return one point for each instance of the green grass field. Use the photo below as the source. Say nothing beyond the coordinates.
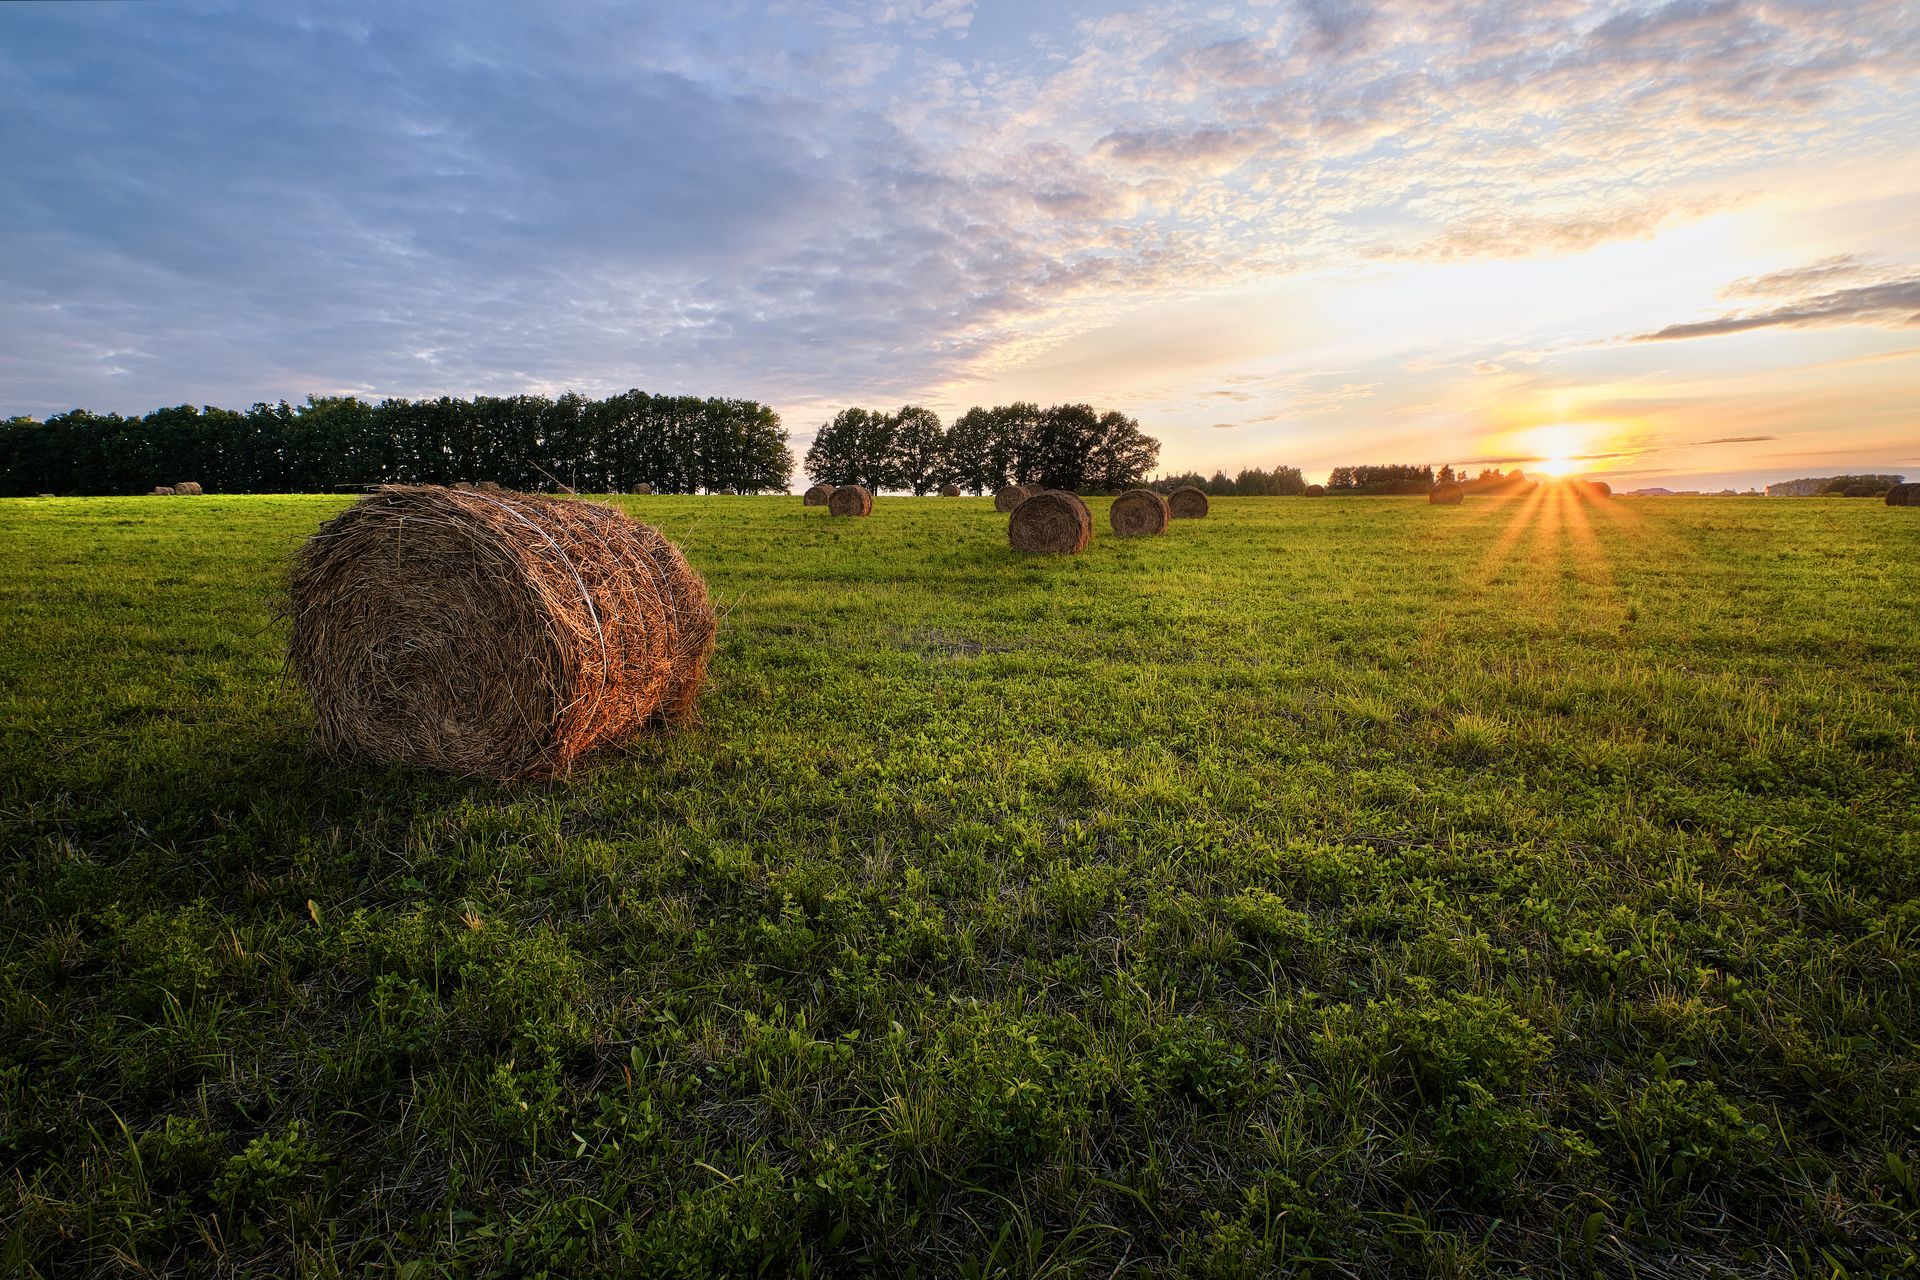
(1348, 888)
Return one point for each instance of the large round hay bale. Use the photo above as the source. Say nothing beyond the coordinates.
(189, 487)
(161, 491)
(851, 500)
(1599, 488)
(1052, 521)
(1447, 494)
(1904, 495)
(817, 496)
(1314, 491)
(949, 490)
(497, 636)
(1007, 497)
(1857, 491)
(1187, 503)
(1138, 513)
(643, 489)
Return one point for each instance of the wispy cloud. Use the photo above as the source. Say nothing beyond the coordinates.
(1892, 304)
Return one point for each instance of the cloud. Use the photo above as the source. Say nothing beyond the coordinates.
(1798, 280)
(1894, 304)
(1737, 440)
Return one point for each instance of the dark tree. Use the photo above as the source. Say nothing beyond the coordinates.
(920, 459)
(855, 448)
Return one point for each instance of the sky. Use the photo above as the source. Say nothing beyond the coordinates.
(1661, 243)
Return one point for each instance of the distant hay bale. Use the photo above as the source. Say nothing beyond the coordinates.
(161, 491)
(851, 500)
(1314, 491)
(191, 488)
(492, 636)
(1904, 495)
(643, 489)
(1139, 513)
(1051, 521)
(817, 496)
(1599, 488)
(1857, 491)
(1447, 494)
(488, 486)
(1007, 497)
(1187, 503)
(949, 490)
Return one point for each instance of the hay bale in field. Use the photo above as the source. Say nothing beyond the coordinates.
(189, 487)
(1857, 491)
(1052, 521)
(851, 500)
(161, 491)
(1187, 503)
(643, 489)
(1447, 494)
(1904, 495)
(1599, 488)
(1139, 513)
(1314, 491)
(949, 490)
(1009, 496)
(818, 496)
(498, 636)
(488, 486)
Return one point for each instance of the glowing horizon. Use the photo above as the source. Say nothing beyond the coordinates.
(1312, 233)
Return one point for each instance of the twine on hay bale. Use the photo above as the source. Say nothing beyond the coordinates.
(1139, 513)
(1187, 503)
(1052, 521)
(498, 636)
(161, 491)
(949, 490)
(189, 487)
(1314, 491)
(1904, 495)
(1448, 494)
(1008, 497)
(851, 500)
(817, 496)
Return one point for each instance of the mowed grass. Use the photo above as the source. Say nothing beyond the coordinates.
(1341, 887)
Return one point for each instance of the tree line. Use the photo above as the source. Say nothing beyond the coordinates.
(677, 444)
(1069, 446)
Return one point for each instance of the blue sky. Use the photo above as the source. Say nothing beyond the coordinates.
(1666, 242)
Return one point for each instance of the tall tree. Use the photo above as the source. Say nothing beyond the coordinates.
(855, 448)
(986, 445)
(920, 458)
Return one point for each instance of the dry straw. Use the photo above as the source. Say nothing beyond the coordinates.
(1904, 495)
(1052, 521)
(1008, 497)
(1138, 513)
(1314, 491)
(818, 496)
(1447, 494)
(161, 491)
(1187, 503)
(949, 490)
(498, 636)
(643, 489)
(189, 487)
(851, 500)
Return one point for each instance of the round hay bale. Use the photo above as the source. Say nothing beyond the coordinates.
(1138, 513)
(851, 500)
(497, 636)
(1314, 491)
(1052, 521)
(488, 486)
(817, 496)
(1187, 503)
(949, 490)
(643, 489)
(161, 491)
(1447, 494)
(1599, 488)
(1904, 495)
(189, 487)
(1007, 497)
(1857, 491)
